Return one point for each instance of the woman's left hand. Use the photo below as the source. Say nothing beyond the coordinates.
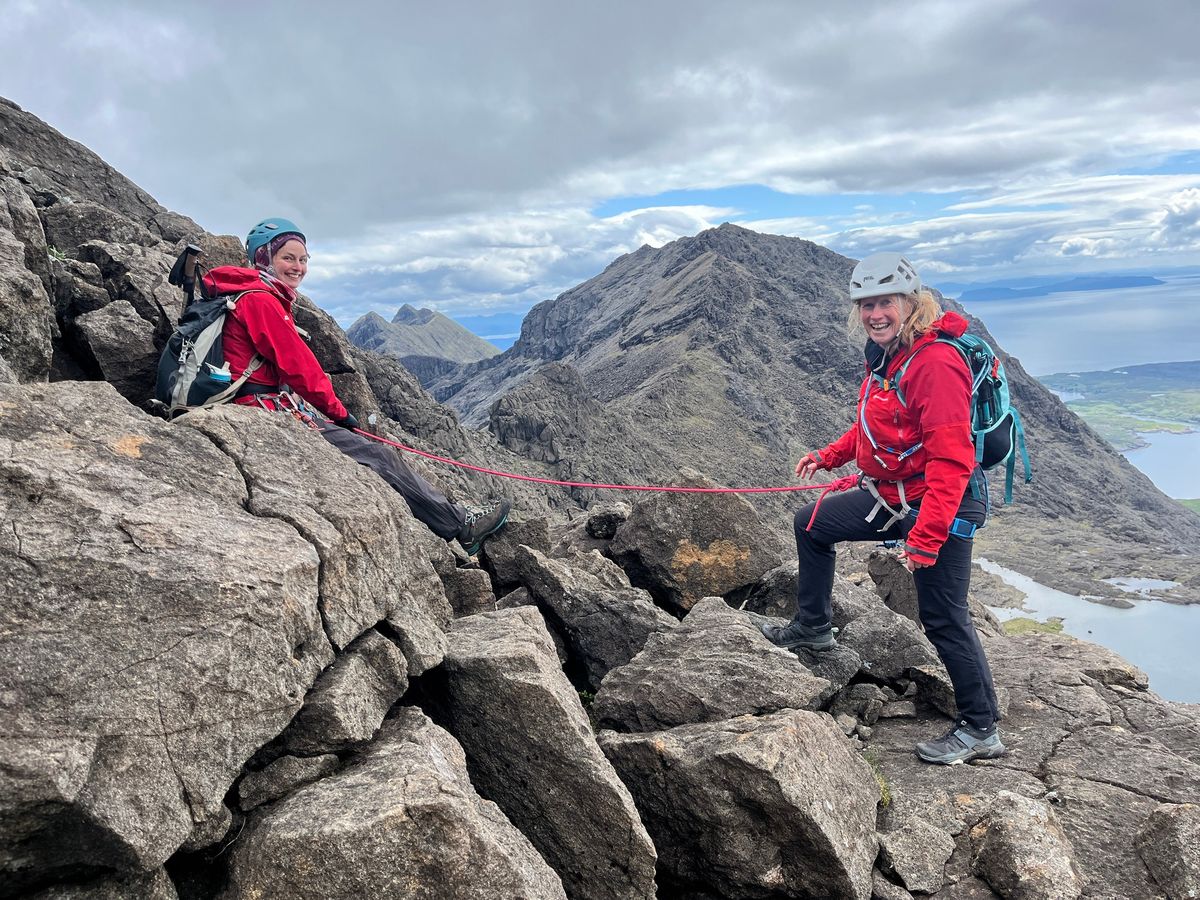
(912, 563)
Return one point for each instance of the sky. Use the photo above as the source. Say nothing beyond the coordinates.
(480, 158)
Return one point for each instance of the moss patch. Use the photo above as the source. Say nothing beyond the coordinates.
(1025, 625)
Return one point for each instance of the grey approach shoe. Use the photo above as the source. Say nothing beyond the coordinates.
(961, 744)
(481, 523)
(798, 636)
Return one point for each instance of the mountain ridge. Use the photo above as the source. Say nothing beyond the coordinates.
(426, 342)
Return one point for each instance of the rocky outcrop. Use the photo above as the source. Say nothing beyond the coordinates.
(196, 614)
(145, 676)
(402, 820)
(549, 776)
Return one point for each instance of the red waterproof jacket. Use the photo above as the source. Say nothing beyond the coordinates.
(936, 414)
(262, 323)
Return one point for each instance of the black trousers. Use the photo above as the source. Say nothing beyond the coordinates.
(941, 589)
(428, 504)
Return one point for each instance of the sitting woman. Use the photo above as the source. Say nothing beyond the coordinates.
(289, 376)
(920, 482)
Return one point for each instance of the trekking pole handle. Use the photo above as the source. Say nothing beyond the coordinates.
(192, 254)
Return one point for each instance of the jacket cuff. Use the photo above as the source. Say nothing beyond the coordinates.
(927, 555)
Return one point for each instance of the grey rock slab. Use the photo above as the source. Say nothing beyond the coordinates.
(373, 562)
(917, 853)
(1022, 852)
(714, 665)
(282, 776)
(1102, 822)
(156, 633)
(602, 626)
(776, 805)
(682, 547)
(401, 820)
(348, 702)
(1169, 843)
(530, 748)
(1135, 762)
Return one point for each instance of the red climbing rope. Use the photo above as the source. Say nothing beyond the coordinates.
(827, 488)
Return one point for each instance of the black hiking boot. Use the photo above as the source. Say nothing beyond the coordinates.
(961, 744)
(798, 636)
(482, 522)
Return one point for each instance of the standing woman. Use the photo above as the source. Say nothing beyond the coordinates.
(920, 482)
(260, 330)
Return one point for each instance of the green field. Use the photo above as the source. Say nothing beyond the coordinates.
(1193, 505)
(1122, 402)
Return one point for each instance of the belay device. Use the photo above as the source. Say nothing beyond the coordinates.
(192, 371)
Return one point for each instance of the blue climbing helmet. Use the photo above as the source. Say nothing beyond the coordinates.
(266, 231)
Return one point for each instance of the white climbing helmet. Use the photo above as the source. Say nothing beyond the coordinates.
(881, 274)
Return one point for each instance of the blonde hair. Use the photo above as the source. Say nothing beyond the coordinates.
(921, 312)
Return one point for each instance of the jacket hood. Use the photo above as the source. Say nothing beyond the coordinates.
(950, 323)
(236, 279)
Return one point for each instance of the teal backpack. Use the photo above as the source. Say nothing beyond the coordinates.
(995, 424)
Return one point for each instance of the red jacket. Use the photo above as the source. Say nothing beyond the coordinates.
(937, 415)
(262, 323)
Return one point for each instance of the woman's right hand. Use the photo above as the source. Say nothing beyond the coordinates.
(807, 467)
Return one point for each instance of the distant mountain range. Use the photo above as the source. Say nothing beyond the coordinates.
(426, 342)
(1082, 283)
(728, 352)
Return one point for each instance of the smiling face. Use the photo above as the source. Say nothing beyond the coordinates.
(291, 263)
(883, 316)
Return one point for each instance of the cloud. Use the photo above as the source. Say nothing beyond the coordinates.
(450, 154)
(485, 263)
(1179, 220)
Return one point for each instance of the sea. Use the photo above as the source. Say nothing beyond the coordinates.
(1087, 331)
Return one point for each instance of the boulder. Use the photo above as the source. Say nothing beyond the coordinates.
(917, 853)
(347, 704)
(469, 591)
(140, 675)
(681, 547)
(283, 776)
(401, 820)
(836, 666)
(1169, 843)
(373, 562)
(1021, 851)
(888, 643)
(714, 665)
(122, 344)
(530, 748)
(592, 531)
(602, 626)
(776, 805)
